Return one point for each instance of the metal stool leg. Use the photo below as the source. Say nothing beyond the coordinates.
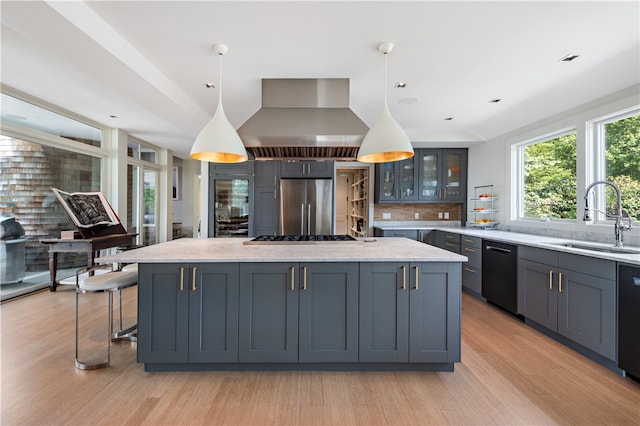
(81, 365)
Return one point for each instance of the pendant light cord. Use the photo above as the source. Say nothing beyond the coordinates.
(386, 54)
(220, 80)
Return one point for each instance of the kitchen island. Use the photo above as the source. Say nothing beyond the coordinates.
(227, 304)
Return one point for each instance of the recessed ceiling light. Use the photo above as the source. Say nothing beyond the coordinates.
(113, 116)
(400, 85)
(495, 101)
(210, 85)
(568, 58)
(448, 119)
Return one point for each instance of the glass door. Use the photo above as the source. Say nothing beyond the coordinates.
(430, 168)
(454, 176)
(231, 207)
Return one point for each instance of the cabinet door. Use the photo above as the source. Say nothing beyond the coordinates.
(587, 311)
(163, 313)
(267, 211)
(537, 293)
(430, 165)
(306, 169)
(434, 312)
(328, 328)
(213, 312)
(454, 175)
(397, 181)
(268, 324)
(384, 312)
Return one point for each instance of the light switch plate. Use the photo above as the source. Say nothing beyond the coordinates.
(416, 215)
(439, 215)
(446, 215)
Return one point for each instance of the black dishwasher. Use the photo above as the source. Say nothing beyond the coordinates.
(629, 319)
(500, 274)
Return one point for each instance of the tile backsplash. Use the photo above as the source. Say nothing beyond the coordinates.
(407, 212)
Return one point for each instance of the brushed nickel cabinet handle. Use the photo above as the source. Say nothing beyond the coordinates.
(466, 268)
(404, 277)
(560, 282)
(193, 278)
(417, 275)
(293, 280)
(304, 277)
(181, 278)
(550, 280)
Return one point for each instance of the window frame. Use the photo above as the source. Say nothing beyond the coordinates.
(518, 150)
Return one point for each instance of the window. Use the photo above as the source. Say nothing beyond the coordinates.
(142, 192)
(617, 160)
(548, 176)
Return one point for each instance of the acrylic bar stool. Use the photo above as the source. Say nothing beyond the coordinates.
(109, 282)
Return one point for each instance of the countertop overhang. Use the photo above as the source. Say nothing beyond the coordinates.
(386, 249)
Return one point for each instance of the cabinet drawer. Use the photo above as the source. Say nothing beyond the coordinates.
(474, 255)
(588, 265)
(471, 241)
(407, 233)
(454, 247)
(472, 279)
(451, 237)
(549, 257)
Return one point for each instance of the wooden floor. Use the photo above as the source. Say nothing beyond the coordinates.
(509, 374)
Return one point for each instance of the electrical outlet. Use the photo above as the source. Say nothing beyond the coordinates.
(386, 215)
(446, 215)
(439, 215)
(416, 215)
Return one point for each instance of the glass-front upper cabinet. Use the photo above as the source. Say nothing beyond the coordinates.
(443, 175)
(231, 207)
(397, 181)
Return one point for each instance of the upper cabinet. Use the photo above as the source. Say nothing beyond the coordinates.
(443, 175)
(306, 169)
(397, 181)
(431, 175)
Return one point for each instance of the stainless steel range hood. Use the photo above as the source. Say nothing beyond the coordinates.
(304, 119)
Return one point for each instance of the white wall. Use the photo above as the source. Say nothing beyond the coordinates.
(490, 163)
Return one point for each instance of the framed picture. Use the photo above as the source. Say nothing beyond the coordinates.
(177, 191)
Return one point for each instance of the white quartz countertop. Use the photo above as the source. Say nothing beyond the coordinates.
(540, 241)
(233, 250)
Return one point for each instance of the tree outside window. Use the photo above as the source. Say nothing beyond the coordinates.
(550, 178)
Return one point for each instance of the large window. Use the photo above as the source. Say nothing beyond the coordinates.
(142, 183)
(617, 145)
(548, 177)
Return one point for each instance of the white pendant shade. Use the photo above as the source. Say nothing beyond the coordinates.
(385, 141)
(218, 141)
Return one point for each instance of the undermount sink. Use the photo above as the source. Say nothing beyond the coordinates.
(599, 248)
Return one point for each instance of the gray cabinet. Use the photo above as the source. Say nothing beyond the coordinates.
(397, 181)
(328, 313)
(472, 269)
(448, 241)
(410, 312)
(188, 313)
(306, 169)
(572, 295)
(442, 175)
(292, 312)
(407, 233)
(266, 198)
(244, 168)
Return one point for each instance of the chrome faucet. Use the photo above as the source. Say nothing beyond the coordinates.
(619, 226)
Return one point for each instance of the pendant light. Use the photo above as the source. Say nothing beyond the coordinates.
(385, 141)
(218, 141)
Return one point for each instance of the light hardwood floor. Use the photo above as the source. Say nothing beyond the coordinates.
(509, 374)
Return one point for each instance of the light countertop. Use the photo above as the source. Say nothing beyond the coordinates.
(540, 241)
(233, 250)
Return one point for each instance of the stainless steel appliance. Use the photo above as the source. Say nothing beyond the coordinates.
(629, 320)
(230, 207)
(298, 239)
(306, 206)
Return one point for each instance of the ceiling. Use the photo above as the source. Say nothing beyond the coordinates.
(147, 62)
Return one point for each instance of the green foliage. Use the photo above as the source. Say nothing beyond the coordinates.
(550, 172)
(550, 178)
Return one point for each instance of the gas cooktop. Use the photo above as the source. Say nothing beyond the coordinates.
(299, 238)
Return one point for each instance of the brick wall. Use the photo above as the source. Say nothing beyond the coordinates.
(406, 212)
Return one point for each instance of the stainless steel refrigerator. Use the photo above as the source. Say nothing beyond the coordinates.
(306, 206)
